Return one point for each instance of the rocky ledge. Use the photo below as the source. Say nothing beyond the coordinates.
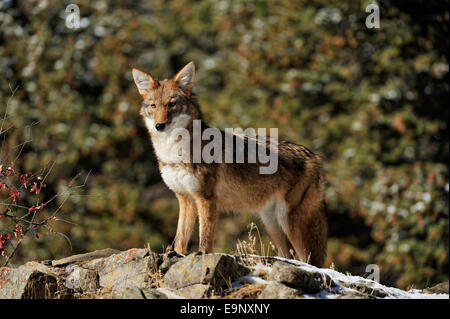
(143, 274)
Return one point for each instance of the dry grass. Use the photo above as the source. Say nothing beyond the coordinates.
(253, 246)
(250, 291)
(411, 286)
(155, 278)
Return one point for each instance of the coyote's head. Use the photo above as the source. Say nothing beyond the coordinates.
(167, 104)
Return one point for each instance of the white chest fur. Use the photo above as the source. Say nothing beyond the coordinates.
(178, 179)
(168, 145)
(171, 151)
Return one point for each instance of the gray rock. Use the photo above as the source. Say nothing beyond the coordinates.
(80, 278)
(30, 281)
(196, 291)
(130, 292)
(367, 288)
(73, 279)
(84, 257)
(168, 262)
(295, 277)
(352, 295)
(219, 270)
(151, 293)
(441, 288)
(276, 290)
(89, 280)
(129, 268)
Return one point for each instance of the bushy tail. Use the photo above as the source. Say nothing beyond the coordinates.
(308, 231)
(314, 235)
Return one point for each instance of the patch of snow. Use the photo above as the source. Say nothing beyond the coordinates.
(252, 279)
(323, 294)
(340, 278)
(413, 294)
(249, 279)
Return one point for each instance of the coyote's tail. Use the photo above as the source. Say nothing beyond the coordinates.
(314, 235)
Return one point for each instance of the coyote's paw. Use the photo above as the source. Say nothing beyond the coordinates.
(171, 252)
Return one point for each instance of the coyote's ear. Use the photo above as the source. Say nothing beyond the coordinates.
(185, 77)
(143, 81)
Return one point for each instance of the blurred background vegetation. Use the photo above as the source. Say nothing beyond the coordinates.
(373, 102)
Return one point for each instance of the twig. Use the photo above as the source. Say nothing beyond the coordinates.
(13, 92)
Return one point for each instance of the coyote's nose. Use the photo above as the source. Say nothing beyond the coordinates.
(160, 126)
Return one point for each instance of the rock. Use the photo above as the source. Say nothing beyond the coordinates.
(133, 292)
(89, 281)
(30, 281)
(196, 291)
(352, 295)
(250, 291)
(133, 274)
(129, 292)
(367, 288)
(129, 268)
(276, 290)
(218, 270)
(151, 293)
(73, 279)
(441, 288)
(296, 277)
(168, 262)
(80, 278)
(84, 257)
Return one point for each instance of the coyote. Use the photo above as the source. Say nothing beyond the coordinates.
(290, 202)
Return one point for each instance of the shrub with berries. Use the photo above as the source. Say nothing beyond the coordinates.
(27, 219)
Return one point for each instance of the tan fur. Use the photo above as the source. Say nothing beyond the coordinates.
(290, 202)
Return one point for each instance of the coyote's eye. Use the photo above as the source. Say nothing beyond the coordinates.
(172, 104)
(153, 105)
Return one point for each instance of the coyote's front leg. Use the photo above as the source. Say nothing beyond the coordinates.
(186, 222)
(207, 215)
